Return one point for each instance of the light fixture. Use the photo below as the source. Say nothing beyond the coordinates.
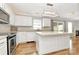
(49, 4)
(48, 11)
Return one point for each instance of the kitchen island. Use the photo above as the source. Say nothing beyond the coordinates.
(48, 42)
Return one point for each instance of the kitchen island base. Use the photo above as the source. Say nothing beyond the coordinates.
(51, 43)
(59, 52)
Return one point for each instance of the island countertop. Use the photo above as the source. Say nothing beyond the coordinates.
(47, 33)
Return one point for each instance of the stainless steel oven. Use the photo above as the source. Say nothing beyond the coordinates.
(11, 44)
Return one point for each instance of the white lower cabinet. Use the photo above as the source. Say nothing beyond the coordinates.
(52, 43)
(3, 46)
(25, 37)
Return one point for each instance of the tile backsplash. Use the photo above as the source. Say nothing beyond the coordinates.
(4, 28)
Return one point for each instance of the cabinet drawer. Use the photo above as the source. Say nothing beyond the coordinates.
(3, 46)
(3, 50)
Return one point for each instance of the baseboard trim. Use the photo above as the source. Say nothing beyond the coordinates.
(53, 53)
(26, 42)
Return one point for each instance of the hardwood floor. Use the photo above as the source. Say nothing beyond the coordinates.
(60, 52)
(30, 49)
(75, 46)
(26, 49)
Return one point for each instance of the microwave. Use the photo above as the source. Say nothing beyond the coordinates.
(4, 17)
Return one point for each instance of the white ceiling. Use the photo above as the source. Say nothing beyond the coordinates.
(28, 8)
(65, 10)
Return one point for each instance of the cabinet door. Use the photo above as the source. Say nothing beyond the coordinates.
(25, 37)
(30, 36)
(63, 42)
(3, 50)
(3, 47)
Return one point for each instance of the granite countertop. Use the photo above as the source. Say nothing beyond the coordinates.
(47, 33)
(5, 34)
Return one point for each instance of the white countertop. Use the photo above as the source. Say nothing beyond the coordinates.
(52, 33)
(2, 37)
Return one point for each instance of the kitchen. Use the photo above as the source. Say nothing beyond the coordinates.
(38, 28)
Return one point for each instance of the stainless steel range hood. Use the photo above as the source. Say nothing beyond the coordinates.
(4, 17)
(3, 21)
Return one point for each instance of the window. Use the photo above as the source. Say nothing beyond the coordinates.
(58, 26)
(61, 26)
(37, 24)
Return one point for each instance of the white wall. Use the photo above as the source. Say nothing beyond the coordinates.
(65, 9)
(46, 22)
(11, 13)
(23, 20)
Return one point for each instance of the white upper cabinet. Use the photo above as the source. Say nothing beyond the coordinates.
(23, 21)
(8, 9)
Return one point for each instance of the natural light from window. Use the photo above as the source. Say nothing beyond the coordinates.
(37, 24)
